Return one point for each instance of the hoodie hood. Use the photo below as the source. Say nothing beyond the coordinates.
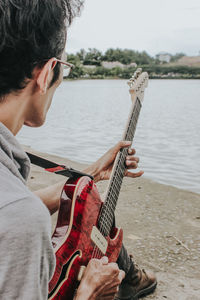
(12, 156)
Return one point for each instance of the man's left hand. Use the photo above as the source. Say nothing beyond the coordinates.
(102, 168)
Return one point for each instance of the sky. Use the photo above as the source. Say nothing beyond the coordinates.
(152, 25)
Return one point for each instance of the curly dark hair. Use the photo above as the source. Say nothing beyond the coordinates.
(31, 31)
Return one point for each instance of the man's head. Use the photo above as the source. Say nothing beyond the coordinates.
(32, 39)
(31, 33)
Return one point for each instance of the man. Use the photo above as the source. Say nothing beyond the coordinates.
(32, 43)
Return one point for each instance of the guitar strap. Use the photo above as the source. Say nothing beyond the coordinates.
(53, 167)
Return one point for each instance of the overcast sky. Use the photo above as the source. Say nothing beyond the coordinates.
(151, 25)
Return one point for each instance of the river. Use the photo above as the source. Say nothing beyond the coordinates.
(88, 116)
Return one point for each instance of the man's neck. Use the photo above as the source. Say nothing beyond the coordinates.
(12, 112)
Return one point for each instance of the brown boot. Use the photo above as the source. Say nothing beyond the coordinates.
(141, 284)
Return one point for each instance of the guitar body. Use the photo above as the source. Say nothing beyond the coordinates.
(79, 211)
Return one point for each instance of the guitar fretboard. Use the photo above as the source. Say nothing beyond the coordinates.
(107, 213)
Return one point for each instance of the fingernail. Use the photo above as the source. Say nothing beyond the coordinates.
(128, 162)
(104, 260)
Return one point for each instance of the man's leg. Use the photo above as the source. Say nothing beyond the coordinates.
(137, 282)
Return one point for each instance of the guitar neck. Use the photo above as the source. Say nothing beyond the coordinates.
(115, 182)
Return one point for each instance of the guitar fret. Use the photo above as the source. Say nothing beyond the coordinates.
(107, 213)
(133, 121)
(110, 204)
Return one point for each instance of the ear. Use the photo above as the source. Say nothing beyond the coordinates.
(45, 75)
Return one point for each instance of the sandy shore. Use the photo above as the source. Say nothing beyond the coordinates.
(161, 229)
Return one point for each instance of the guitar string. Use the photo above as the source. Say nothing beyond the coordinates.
(107, 220)
(115, 188)
(119, 167)
(111, 196)
(97, 252)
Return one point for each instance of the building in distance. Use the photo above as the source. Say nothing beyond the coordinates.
(164, 57)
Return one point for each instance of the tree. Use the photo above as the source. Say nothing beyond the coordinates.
(93, 57)
(176, 57)
(127, 56)
(82, 54)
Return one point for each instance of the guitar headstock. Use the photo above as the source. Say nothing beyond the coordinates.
(137, 83)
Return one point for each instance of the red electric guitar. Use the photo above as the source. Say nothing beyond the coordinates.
(85, 227)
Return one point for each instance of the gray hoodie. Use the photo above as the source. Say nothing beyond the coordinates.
(27, 260)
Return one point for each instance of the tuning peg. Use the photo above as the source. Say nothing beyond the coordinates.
(130, 83)
(137, 73)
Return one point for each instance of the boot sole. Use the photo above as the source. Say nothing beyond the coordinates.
(145, 291)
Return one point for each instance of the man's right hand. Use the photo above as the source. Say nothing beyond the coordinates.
(100, 280)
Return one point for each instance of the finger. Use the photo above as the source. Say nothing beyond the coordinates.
(131, 151)
(131, 164)
(114, 269)
(109, 292)
(122, 144)
(104, 260)
(133, 175)
(111, 297)
(133, 158)
(114, 266)
(93, 263)
(107, 297)
(121, 275)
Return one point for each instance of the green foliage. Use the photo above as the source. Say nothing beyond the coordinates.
(176, 57)
(73, 59)
(77, 71)
(127, 56)
(165, 71)
(94, 58)
(81, 54)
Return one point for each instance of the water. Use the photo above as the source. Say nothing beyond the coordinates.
(88, 117)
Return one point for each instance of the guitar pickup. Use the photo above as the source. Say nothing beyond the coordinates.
(99, 240)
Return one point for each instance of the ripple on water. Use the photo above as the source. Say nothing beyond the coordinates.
(88, 117)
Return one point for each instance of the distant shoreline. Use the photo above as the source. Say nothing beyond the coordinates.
(117, 78)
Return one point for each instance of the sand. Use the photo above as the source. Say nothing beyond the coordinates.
(161, 229)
